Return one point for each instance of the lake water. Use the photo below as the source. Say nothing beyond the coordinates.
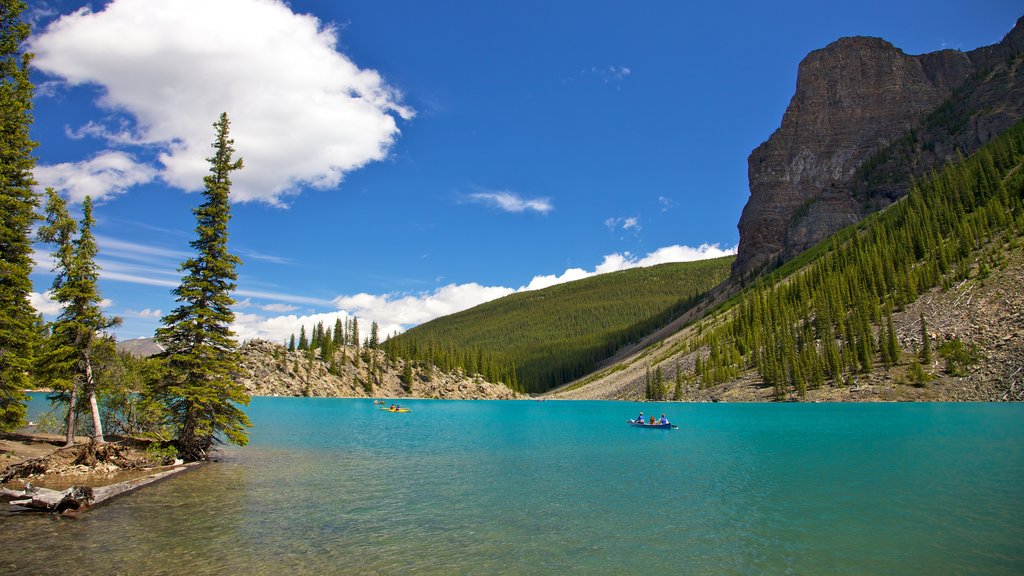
(334, 486)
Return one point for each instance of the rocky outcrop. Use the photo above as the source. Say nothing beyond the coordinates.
(864, 118)
(271, 370)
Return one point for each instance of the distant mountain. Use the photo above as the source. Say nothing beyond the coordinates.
(865, 118)
(140, 347)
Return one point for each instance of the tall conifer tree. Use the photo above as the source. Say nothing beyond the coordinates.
(17, 214)
(200, 390)
(78, 335)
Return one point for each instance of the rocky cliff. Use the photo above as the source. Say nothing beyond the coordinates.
(271, 370)
(864, 119)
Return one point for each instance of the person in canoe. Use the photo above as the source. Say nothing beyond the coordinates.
(652, 420)
(640, 418)
(663, 420)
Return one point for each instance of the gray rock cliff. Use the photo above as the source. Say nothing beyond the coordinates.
(864, 119)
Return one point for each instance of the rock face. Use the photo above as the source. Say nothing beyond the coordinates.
(864, 118)
(271, 370)
(140, 347)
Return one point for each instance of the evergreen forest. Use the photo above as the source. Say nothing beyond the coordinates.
(537, 340)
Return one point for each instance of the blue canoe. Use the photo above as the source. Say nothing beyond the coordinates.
(636, 424)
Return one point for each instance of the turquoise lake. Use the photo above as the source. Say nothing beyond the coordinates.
(335, 486)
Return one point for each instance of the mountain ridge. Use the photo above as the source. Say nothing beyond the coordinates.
(854, 99)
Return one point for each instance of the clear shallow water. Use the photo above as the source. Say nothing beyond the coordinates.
(332, 486)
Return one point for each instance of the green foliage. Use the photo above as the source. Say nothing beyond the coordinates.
(539, 339)
(918, 376)
(829, 315)
(199, 389)
(18, 202)
(958, 356)
(161, 454)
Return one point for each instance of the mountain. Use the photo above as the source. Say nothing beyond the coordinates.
(923, 300)
(865, 118)
(140, 347)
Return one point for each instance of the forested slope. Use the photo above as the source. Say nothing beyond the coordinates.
(539, 339)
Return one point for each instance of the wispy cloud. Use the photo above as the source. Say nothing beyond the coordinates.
(666, 203)
(279, 307)
(608, 74)
(512, 202)
(248, 254)
(624, 223)
(144, 313)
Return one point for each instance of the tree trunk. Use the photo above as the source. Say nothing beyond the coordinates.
(71, 416)
(90, 387)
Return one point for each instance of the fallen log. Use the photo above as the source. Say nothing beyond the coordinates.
(81, 498)
(71, 500)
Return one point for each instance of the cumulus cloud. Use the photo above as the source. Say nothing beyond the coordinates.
(512, 202)
(409, 310)
(107, 174)
(302, 113)
(44, 303)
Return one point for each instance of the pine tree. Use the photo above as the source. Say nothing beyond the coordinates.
(78, 333)
(18, 202)
(200, 390)
(374, 335)
(926, 343)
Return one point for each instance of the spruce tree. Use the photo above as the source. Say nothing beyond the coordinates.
(18, 202)
(200, 389)
(79, 332)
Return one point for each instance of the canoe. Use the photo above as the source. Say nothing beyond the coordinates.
(636, 424)
(398, 410)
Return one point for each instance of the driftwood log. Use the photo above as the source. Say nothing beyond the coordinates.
(81, 498)
(56, 501)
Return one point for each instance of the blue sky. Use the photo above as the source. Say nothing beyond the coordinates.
(409, 159)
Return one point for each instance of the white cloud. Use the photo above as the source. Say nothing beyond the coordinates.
(302, 113)
(409, 310)
(44, 303)
(279, 328)
(512, 202)
(625, 260)
(107, 174)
